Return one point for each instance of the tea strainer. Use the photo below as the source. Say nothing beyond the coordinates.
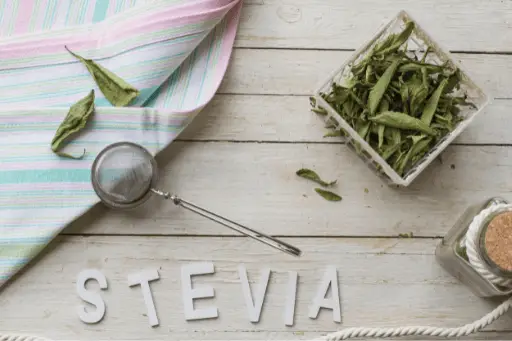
(124, 175)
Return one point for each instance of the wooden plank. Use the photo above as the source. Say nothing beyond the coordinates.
(301, 72)
(288, 119)
(477, 25)
(383, 282)
(256, 184)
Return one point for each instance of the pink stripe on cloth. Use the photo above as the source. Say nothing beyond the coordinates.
(24, 15)
(87, 39)
(153, 127)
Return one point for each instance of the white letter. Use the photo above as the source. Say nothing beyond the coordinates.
(189, 294)
(290, 300)
(91, 297)
(330, 279)
(254, 309)
(143, 279)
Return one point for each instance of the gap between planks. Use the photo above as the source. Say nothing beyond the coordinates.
(504, 53)
(156, 235)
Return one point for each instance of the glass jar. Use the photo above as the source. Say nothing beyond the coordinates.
(452, 253)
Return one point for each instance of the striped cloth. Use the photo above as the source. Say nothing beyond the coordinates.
(174, 51)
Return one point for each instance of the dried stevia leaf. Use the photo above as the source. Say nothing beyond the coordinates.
(380, 87)
(390, 150)
(397, 40)
(454, 81)
(118, 92)
(431, 105)
(363, 129)
(400, 93)
(334, 133)
(396, 136)
(313, 176)
(402, 121)
(327, 195)
(380, 132)
(418, 144)
(74, 121)
(418, 97)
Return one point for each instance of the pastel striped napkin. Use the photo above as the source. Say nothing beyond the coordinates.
(174, 51)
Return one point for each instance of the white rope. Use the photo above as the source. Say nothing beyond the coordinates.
(478, 264)
(472, 246)
(422, 330)
(475, 260)
(7, 337)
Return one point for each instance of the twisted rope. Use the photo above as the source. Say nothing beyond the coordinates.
(7, 337)
(470, 328)
(472, 246)
(478, 264)
(422, 330)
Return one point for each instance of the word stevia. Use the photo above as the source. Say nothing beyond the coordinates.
(253, 300)
(401, 105)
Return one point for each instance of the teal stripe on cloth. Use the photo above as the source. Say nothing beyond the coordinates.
(147, 47)
(46, 175)
(100, 10)
(144, 95)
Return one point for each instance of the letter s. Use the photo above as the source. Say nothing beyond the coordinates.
(91, 297)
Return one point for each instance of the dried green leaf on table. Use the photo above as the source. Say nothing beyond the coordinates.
(313, 176)
(118, 92)
(75, 120)
(328, 195)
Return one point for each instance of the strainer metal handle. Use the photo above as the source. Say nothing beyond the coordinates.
(262, 237)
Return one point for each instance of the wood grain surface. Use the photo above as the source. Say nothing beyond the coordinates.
(239, 159)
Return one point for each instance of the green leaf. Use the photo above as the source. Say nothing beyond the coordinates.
(363, 129)
(118, 92)
(380, 87)
(418, 145)
(427, 51)
(311, 175)
(334, 133)
(369, 71)
(431, 105)
(402, 121)
(418, 97)
(384, 105)
(396, 136)
(327, 195)
(319, 111)
(71, 156)
(415, 66)
(74, 121)
(453, 82)
(404, 94)
(380, 133)
(389, 151)
(398, 40)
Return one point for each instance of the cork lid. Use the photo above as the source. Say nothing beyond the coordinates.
(496, 243)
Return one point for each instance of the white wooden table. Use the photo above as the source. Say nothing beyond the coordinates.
(239, 158)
